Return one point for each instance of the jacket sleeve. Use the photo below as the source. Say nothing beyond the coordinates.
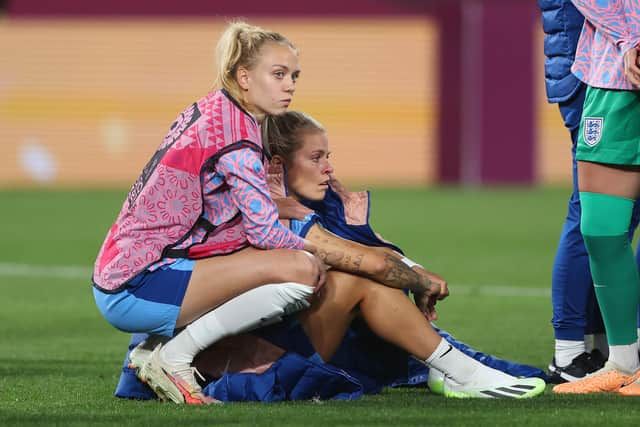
(562, 24)
(245, 175)
(612, 19)
(632, 16)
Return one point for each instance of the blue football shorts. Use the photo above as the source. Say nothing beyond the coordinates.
(150, 302)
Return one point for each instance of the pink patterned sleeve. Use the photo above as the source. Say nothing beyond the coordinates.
(245, 174)
(632, 16)
(610, 17)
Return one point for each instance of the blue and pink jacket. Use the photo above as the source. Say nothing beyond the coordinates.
(611, 28)
(203, 193)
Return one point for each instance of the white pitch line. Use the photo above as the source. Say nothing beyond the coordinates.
(500, 291)
(83, 272)
(53, 271)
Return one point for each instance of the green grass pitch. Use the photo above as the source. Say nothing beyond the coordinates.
(59, 360)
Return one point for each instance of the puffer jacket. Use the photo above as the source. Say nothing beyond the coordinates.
(562, 24)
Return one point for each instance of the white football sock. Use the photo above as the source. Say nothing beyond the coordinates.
(181, 349)
(567, 350)
(625, 356)
(462, 368)
(250, 310)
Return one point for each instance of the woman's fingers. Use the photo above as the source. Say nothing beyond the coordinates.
(631, 68)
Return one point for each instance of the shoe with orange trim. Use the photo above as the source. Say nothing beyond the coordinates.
(632, 386)
(140, 353)
(609, 379)
(176, 383)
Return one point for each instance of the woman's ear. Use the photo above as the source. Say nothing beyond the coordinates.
(242, 77)
(277, 160)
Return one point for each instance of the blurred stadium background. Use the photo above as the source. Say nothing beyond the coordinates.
(412, 92)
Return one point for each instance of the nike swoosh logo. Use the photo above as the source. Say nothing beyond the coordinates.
(445, 353)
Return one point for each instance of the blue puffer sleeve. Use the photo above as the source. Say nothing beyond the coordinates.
(562, 24)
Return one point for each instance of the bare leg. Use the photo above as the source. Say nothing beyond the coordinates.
(616, 180)
(226, 295)
(387, 311)
(392, 316)
(218, 279)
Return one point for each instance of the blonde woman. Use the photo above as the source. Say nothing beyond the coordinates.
(198, 244)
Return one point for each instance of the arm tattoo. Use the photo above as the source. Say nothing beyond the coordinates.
(341, 261)
(399, 275)
(394, 272)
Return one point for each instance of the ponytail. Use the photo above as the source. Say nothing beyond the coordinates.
(240, 45)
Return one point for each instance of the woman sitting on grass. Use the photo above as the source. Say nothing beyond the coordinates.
(366, 281)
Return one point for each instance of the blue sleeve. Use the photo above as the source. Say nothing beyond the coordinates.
(302, 227)
(245, 175)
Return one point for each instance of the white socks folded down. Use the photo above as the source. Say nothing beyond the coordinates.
(625, 357)
(567, 350)
(255, 308)
(462, 368)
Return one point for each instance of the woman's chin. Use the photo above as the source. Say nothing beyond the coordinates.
(278, 111)
(321, 195)
(316, 197)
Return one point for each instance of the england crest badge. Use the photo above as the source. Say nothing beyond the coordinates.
(592, 130)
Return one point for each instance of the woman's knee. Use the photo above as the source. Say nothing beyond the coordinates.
(374, 291)
(351, 290)
(346, 286)
(378, 289)
(297, 266)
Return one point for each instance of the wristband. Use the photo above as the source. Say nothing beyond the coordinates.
(410, 263)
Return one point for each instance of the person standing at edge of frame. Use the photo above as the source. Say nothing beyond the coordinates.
(580, 342)
(608, 156)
